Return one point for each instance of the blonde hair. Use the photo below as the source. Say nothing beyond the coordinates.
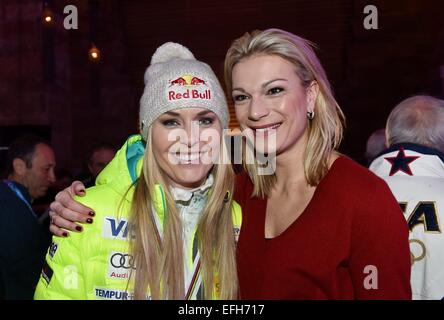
(325, 131)
(159, 262)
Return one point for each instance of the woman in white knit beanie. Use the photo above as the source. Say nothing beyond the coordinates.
(181, 221)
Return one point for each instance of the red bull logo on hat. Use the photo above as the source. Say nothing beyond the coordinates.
(187, 80)
(188, 87)
(179, 81)
(196, 81)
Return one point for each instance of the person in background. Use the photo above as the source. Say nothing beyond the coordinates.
(99, 156)
(23, 242)
(413, 167)
(375, 145)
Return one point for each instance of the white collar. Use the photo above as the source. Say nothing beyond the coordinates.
(180, 194)
(427, 165)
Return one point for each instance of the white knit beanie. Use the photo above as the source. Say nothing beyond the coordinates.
(176, 80)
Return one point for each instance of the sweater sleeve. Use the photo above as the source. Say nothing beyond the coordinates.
(380, 255)
(62, 275)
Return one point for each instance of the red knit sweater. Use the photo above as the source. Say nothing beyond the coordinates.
(353, 221)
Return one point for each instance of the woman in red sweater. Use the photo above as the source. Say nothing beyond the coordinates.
(319, 226)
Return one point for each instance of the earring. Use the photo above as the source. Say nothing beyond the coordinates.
(310, 115)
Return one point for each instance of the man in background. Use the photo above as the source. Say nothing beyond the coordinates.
(375, 145)
(413, 167)
(99, 156)
(23, 242)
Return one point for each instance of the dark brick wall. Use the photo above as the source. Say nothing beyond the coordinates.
(65, 101)
(370, 70)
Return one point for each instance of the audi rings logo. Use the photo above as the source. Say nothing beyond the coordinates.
(120, 265)
(122, 260)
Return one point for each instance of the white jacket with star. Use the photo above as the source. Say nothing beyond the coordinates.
(415, 174)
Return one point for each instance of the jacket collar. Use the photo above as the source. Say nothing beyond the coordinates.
(23, 190)
(414, 160)
(414, 147)
(180, 194)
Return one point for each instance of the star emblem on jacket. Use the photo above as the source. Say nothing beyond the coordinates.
(401, 162)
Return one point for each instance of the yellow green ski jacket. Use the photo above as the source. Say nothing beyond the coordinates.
(96, 263)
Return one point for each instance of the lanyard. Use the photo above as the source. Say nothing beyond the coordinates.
(19, 194)
(196, 280)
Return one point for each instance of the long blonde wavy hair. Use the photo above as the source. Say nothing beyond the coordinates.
(159, 262)
(325, 131)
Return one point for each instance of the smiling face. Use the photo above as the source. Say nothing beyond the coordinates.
(270, 101)
(185, 144)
